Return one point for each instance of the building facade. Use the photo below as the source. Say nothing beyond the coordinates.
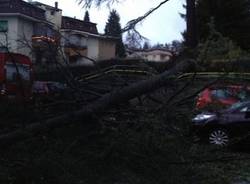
(82, 44)
(42, 33)
(18, 20)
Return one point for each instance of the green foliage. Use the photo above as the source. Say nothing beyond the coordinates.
(231, 19)
(86, 17)
(113, 28)
(217, 47)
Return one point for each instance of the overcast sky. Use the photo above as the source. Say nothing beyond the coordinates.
(163, 26)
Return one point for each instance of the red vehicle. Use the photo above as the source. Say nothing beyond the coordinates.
(222, 96)
(15, 76)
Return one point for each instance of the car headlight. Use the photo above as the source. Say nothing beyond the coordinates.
(2, 92)
(203, 117)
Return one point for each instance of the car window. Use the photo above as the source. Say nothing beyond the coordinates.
(11, 72)
(240, 107)
(237, 106)
(221, 93)
(243, 94)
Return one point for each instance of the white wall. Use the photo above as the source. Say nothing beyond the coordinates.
(25, 32)
(93, 48)
(157, 57)
(55, 18)
(11, 34)
(19, 35)
(106, 49)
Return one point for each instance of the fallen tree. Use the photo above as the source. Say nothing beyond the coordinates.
(98, 106)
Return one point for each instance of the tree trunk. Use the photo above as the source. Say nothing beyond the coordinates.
(191, 24)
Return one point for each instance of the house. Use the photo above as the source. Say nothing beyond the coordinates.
(41, 32)
(82, 43)
(153, 55)
(18, 23)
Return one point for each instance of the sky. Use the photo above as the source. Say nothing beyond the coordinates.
(163, 26)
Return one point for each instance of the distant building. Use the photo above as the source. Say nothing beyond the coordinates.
(39, 31)
(155, 55)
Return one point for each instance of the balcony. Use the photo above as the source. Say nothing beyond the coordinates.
(19, 6)
(44, 36)
(75, 24)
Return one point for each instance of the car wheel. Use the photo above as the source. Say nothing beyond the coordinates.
(219, 137)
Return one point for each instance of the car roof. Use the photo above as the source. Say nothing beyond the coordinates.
(228, 86)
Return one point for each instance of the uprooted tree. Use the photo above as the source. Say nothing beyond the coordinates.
(88, 145)
(36, 127)
(102, 102)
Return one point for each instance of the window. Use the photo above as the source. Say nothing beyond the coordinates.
(221, 94)
(3, 25)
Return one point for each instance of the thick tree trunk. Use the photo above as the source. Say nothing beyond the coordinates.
(191, 24)
(97, 106)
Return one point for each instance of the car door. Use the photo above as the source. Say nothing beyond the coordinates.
(239, 120)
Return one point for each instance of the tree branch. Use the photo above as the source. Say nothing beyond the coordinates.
(132, 23)
(98, 3)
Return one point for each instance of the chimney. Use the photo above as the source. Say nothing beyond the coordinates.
(56, 5)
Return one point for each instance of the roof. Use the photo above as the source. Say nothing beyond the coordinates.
(151, 51)
(21, 7)
(36, 3)
(80, 25)
(87, 34)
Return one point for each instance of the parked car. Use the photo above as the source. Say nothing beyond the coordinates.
(222, 96)
(222, 127)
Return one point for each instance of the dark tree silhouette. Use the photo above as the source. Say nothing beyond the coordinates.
(86, 17)
(146, 45)
(191, 33)
(113, 28)
(230, 17)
